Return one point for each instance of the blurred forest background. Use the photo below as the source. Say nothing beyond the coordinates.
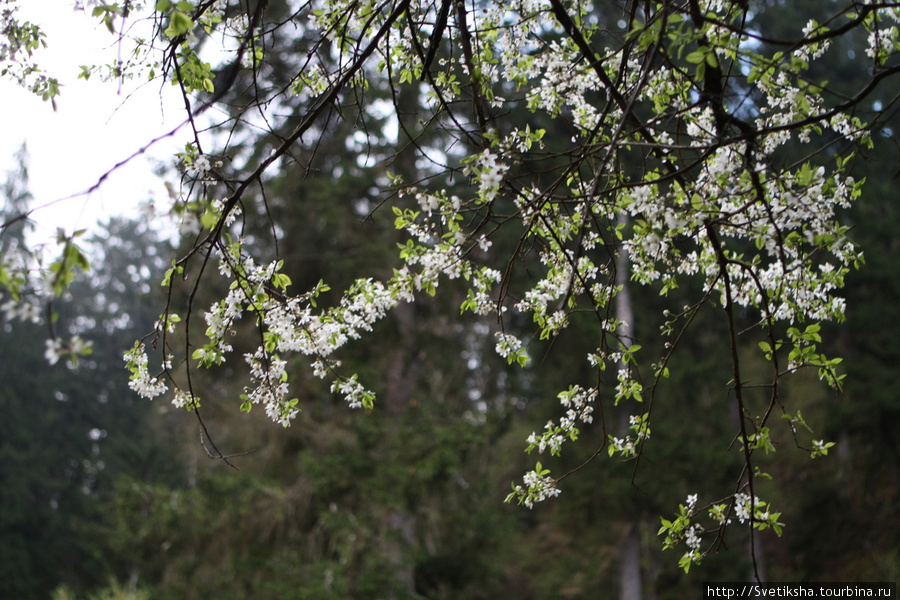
(104, 495)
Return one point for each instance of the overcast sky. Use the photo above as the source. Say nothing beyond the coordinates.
(95, 126)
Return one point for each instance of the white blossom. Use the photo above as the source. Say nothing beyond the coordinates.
(54, 350)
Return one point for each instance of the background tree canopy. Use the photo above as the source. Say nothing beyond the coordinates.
(485, 227)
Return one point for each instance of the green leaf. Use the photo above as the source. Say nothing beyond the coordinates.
(179, 24)
(208, 220)
(697, 56)
(666, 525)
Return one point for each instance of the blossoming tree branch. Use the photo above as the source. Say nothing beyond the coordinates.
(646, 137)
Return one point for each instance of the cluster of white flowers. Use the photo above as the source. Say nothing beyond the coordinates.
(719, 514)
(626, 386)
(353, 392)
(551, 438)
(216, 10)
(815, 50)
(544, 485)
(199, 168)
(626, 446)
(184, 399)
(742, 506)
(566, 277)
(57, 348)
(820, 448)
(292, 324)
(489, 174)
(755, 203)
(538, 486)
(480, 301)
(639, 424)
(268, 372)
(428, 202)
(310, 82)
(54, 350)
(685, 528)
(691, 503)
(141, 381)
(217, 208)
(507, 344)
(25, 309)
(692, 537)
(196, 164)
(579, 405)
(342, 20)
(881, 43)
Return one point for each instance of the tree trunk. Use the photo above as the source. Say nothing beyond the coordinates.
(630, 582)
(400, 522)
(630, 575)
